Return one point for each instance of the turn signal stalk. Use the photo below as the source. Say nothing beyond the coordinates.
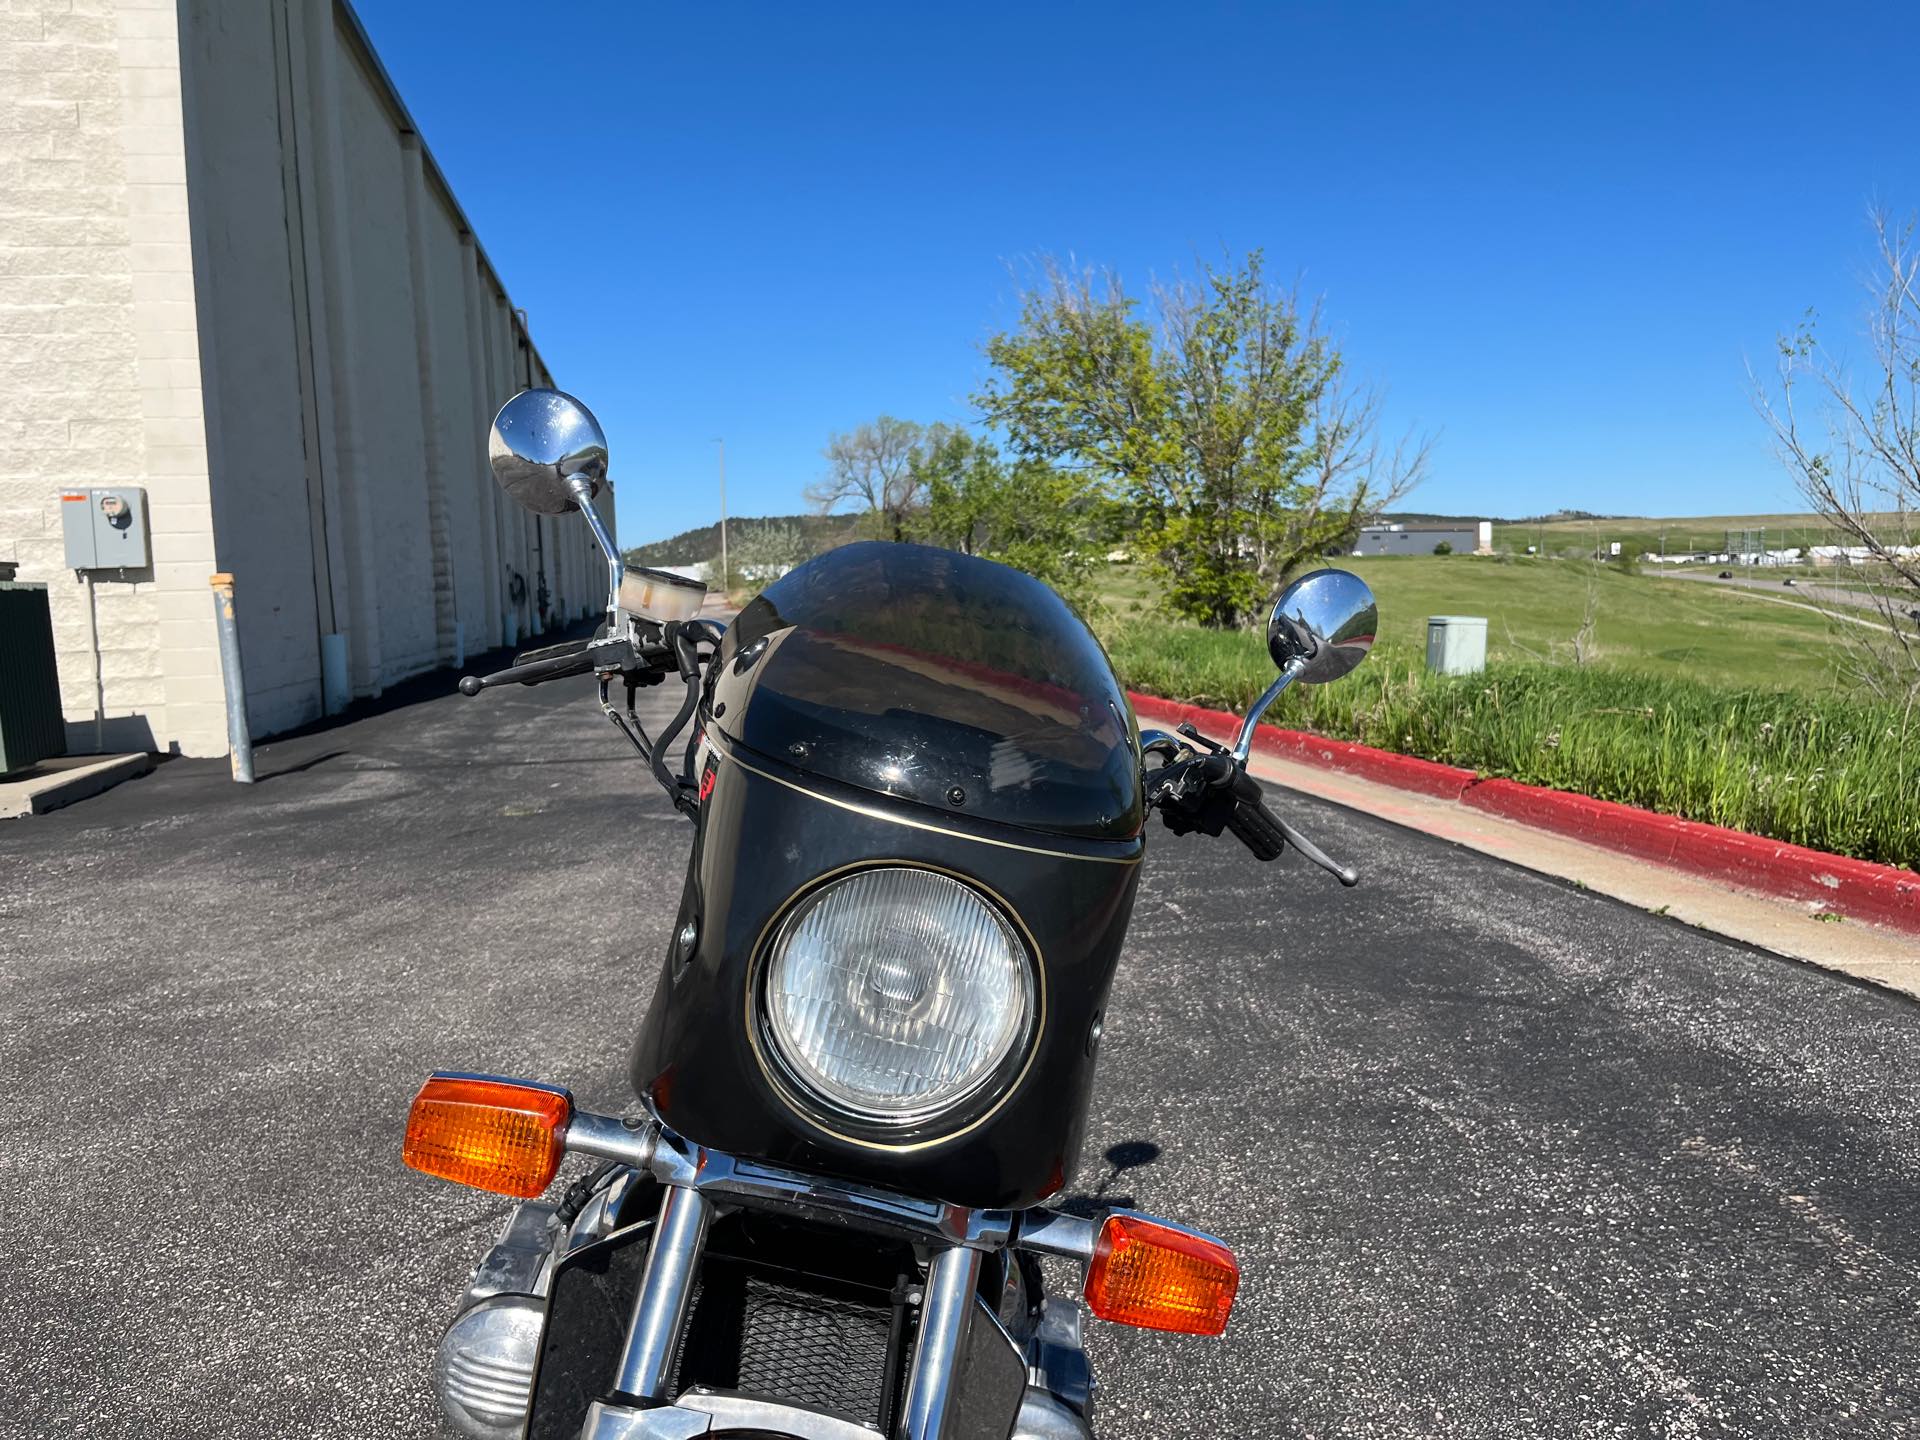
(501, 1135)
(1158, 1277)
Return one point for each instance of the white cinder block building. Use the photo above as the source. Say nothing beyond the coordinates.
(231, 276)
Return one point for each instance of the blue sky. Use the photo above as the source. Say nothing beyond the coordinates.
(1555, 234)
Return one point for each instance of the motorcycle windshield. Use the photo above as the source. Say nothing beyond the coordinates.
(934, 677)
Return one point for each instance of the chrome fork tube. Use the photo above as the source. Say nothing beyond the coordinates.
(666, 1288)
(951, 1283)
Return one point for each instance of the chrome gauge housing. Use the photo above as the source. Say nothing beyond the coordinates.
(893, 996)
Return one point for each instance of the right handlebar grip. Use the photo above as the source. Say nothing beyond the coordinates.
(1257, 829)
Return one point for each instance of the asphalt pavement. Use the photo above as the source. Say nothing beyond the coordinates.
(1850, 605)
(1499, 1157)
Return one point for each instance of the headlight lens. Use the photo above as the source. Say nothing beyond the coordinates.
(895, 994)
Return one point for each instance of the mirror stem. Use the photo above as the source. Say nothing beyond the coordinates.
(582, 489)
(1243, 742)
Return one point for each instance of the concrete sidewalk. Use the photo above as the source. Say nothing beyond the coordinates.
(1866, 952)
(65, 780)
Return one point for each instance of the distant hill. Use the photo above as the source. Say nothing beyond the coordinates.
(690, 547)
(1560, 517)
(1563, 532)
(1421, 517)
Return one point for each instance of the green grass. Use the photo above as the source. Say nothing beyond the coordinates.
(1534, 608)
(1638, 534)
(1813, 770)
(1703, 704)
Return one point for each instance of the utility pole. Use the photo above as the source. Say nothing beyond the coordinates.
(726, 573)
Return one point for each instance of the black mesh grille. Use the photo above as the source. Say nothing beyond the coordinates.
(782, 1311)
(799, 1338)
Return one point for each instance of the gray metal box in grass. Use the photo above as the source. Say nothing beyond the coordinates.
(1457, 644)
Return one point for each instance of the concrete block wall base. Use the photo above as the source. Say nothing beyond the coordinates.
(53, 783)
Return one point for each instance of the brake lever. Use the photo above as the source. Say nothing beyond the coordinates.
(1247, 792)
(1218, 768)
(1345, 874)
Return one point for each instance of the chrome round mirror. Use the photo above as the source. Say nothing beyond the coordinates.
(541, 439)
(1322, 625)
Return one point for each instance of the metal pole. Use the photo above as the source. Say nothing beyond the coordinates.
(99, 667)
(666, 1289)
(726, 574)
(951, 1281)
(239, 740)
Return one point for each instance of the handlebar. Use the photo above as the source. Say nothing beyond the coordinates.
(571, 659)
(639, 657)
(1211, 791)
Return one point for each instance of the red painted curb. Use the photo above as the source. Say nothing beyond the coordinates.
(1858, 889)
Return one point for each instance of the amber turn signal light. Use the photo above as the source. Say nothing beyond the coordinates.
(1158, 1278)
(501, 1135)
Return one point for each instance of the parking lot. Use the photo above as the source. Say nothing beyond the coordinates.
(1498, 1157)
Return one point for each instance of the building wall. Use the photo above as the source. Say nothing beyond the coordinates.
(99, 360)
(361, 343)
(1372, 541)
(230, 272)
(252, 337)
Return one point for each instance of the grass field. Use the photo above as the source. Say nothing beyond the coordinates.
(1534, 608)
(1702, 702)
(1680, 534)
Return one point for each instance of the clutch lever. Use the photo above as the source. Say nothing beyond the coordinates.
(553, 667)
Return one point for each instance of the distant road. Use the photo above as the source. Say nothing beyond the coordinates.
(1821, 596)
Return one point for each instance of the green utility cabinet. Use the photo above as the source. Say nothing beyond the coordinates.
(32, 727)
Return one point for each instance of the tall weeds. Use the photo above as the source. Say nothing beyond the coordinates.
(1828, 773)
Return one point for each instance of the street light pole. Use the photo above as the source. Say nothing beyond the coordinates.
(726, 573)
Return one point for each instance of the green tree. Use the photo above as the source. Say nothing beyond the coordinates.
(1029, 514)
(1219, 412)
(763, 552)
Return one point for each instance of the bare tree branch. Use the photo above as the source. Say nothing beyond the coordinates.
(873, 468)
(1857, 462)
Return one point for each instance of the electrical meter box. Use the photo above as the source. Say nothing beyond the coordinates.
(105, 529)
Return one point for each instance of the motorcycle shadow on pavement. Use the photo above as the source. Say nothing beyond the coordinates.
(1127, 1155)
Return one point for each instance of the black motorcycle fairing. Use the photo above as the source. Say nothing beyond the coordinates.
(935, 677)
(769, 833)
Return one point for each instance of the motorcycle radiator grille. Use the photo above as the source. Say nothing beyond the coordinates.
(799, 1339)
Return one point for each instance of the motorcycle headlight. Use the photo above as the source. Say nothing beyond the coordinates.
(896, 994)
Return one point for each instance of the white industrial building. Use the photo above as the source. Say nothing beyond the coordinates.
(1467, 537)
(239, 302)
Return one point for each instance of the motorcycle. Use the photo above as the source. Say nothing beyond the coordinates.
(919, 801)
